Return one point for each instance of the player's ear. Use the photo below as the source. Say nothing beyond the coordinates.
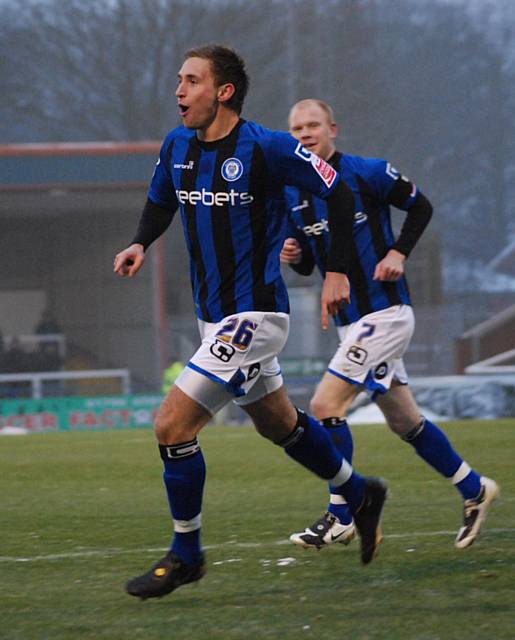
(334, 130)
(225, 92)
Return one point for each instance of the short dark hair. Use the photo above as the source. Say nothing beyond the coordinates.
(227, 66)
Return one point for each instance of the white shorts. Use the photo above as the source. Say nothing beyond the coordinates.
(371, 349)
(237, 359)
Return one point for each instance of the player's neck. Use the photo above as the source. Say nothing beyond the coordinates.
(222, 125)
(330, 154)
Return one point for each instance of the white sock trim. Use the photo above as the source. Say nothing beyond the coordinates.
(342, 476)
(336, 498)
(461, 474)
(186, 526)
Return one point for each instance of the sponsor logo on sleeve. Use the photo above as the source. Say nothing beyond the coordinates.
(324, 170)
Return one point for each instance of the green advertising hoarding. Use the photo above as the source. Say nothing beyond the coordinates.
(79, 413)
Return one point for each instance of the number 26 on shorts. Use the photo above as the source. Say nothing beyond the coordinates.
(238, 333)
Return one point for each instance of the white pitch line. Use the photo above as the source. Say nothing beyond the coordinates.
(105, 553)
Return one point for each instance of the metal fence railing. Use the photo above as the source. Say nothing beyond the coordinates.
(33, 384)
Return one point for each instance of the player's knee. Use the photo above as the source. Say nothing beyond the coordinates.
(322, 407)
(161, 430)
(275, 430)
(315, 407)
(265, 430)
(401, 425)
(167, 432)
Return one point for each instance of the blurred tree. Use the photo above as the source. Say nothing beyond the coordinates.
(104, 69)
(425, 83)
(452, 99)
(92, 70)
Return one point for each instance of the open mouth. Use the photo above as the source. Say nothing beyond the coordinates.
(183, 109)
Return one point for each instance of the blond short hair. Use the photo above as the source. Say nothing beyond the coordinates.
(323, 105)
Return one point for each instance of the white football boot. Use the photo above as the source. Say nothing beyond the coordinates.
(475, 512)
(325, 531)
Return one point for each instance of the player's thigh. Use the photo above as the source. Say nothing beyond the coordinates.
(399, 408)
(333, 397)
(274, 415)
(179, 418)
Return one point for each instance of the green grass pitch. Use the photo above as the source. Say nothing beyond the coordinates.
(82, 512)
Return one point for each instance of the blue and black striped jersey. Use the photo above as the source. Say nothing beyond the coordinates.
(372, 182)
(230, 194)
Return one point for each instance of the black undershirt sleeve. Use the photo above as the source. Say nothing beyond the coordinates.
(417, 216)
(340, 207)
(307, 263)
(154, 221)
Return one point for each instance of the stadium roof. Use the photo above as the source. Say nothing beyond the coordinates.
(74, 178)
(83, 165)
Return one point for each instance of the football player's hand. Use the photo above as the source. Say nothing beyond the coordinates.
(391, 267)
(129, 261)
(291, 253)
(336, 290)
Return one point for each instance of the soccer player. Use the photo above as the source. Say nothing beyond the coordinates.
(376, 327)
(226, 175)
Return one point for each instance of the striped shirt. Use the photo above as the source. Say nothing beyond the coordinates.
(375, 185)
(230, 195)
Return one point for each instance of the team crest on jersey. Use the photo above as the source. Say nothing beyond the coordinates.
(232, 169)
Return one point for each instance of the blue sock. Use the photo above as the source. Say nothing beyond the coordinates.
(432, 445)
(310, 445)
(341, 436)
(184, 476)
